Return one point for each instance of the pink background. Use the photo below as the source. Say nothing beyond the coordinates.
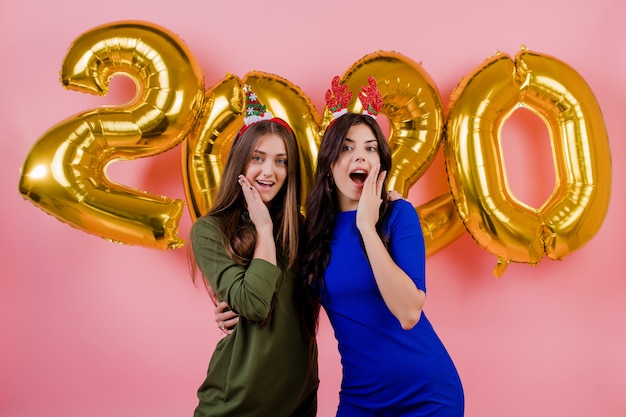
(91, 328)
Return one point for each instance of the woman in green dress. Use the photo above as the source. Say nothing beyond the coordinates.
(246, 247)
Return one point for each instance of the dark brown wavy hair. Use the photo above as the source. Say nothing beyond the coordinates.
(321, 206)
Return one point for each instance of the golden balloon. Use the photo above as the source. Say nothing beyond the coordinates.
(64, 174)
(480, 105)
(222, 118)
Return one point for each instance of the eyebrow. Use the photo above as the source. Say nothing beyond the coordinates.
(352, 140)
(265, 153)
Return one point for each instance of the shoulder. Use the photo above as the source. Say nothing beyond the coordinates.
(203, 226)
(402, 209)
(402, 218)
(404, 227)
(205, 221)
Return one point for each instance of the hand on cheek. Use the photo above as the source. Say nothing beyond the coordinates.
(369, 203)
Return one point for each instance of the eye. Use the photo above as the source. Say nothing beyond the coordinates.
(346, 148)
(257, 158)
(372, 149)
(281, 162)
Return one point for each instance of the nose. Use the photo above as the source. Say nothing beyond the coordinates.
(268, 169)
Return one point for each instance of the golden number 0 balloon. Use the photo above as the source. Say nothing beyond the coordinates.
(222, 118)
(500, 223)
(64, 174)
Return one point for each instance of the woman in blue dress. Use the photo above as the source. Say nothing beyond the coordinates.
(365, 264)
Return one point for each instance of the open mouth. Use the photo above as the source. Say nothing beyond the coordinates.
(358, 176)
(265, 184)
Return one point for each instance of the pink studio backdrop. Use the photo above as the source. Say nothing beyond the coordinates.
(92, 328)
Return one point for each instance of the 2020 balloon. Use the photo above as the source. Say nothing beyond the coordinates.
(64, 174)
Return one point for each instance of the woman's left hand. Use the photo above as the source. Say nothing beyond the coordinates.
(393, 195)
(225, 318)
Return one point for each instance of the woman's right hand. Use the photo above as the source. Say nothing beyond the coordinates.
(259, 213)
(225, 318)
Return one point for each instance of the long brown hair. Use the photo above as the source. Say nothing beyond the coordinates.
(238, 232)
(321, 206)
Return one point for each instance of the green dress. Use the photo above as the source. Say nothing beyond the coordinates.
(268, 370)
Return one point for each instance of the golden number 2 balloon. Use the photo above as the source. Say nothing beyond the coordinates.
(64, 174)
(480, 105)
(412, 103)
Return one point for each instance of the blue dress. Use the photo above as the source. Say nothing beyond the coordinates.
(387, 371)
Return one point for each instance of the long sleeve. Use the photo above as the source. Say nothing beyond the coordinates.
(247, 290)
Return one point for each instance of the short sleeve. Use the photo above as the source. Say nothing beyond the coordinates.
(407, 241)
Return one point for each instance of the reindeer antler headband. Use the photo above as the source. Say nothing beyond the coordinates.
(370, 98)
(338, 97)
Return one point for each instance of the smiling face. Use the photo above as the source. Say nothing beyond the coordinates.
(359, 154)
(267, 169)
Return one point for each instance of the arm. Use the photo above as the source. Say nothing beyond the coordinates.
(247, 290)
(265, 248)
(403, 298)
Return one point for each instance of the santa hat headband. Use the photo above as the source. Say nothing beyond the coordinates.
(256, 111)
(338, 98)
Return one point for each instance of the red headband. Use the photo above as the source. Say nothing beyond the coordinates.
(273, 119)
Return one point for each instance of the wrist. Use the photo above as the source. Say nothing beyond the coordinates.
(367, 231)
(265, 231)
